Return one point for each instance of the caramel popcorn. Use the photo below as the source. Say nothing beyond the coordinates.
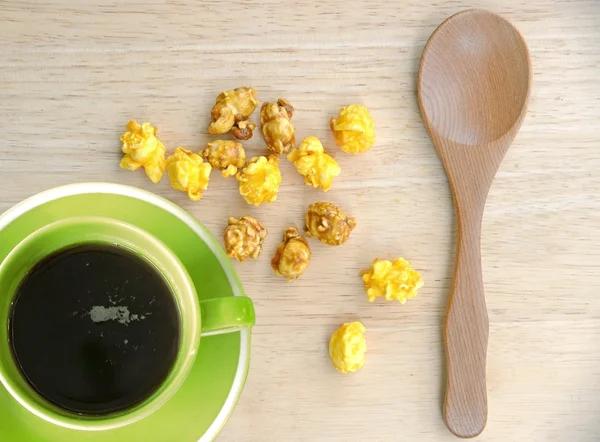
(243, 130)
(141, 148)
(311, 161)
(277, 128)
(188, 173)
(231, 112)
(260, 180)
(328, 223)
(292, 255)
(243, 238)
(226, 156)
(391, 280)
(353, 129)
(347, 347)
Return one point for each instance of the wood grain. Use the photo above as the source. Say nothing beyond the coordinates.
(473, 89)
(73, 73)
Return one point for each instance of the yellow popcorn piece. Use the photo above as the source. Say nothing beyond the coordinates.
(353, 129)
(347, 347)
(312, 162)
(391, 280)
(141, 148)
(259, 180)
(188, 173)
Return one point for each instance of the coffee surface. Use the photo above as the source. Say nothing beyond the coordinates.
(94, 329)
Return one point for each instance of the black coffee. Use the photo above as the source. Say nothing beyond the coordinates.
(95, 329)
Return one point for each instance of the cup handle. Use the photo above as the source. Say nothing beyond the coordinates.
(226, 315)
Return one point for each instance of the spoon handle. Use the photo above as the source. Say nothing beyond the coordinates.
(466, 330)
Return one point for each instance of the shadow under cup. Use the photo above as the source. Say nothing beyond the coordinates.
(219, 315)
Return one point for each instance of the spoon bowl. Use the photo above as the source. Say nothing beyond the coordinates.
(475, 78)
(473, 89)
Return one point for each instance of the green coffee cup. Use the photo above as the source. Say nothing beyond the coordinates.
(197, 318)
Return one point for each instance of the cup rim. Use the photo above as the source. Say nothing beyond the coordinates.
(55, 193)
(187, 299)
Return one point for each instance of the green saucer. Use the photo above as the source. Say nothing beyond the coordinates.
(201, 407)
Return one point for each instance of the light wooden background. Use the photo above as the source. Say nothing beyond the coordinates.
(73, 73)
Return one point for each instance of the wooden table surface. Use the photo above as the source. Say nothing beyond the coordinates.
(73, 73)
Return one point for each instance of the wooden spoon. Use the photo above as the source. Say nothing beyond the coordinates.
(473, 90)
